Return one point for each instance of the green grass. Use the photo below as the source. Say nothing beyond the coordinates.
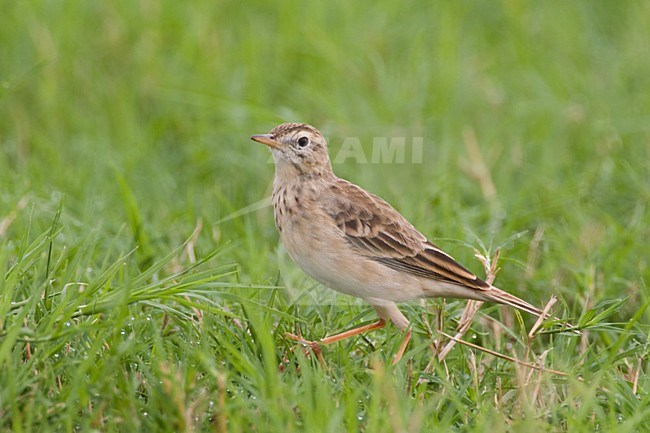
(131, 301)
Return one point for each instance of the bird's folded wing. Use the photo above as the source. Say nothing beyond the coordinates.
(379, 232)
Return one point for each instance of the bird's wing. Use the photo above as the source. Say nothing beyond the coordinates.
(381, 233)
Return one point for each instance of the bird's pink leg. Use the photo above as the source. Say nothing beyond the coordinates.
(342, 336)
(402, 347)
(315, 345)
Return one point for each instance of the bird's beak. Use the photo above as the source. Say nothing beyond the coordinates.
(266, 139)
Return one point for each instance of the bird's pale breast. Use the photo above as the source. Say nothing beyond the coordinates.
(320, 249)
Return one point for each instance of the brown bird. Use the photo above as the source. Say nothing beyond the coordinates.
(354, 242)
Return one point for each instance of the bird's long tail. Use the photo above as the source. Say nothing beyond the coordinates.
(501, 297)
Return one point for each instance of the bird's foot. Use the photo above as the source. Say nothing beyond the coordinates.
(315, 346)
(308, 347)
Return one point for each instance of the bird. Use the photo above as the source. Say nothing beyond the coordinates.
(354, 242)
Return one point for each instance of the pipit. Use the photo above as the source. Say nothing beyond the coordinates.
(354, 242)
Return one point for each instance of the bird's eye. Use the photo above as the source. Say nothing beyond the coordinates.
(303, 141)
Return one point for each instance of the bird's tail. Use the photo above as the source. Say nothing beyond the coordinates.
(501, 297)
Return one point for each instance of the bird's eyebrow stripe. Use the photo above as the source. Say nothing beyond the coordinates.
(290, 128)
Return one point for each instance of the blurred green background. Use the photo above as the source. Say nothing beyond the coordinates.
(168, 93)
(134, 116)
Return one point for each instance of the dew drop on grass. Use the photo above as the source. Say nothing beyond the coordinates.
(67, 324)
(474, 336)
(145, 413)
(123, 332)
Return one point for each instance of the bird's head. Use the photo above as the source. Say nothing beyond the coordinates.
(298, 149)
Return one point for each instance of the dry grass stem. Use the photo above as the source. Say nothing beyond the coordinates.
(541, 318)
(220, 415)
(506, 357)
(9, 218)
(472, 307)
(477, 168)
(533, 253)
(189, 247)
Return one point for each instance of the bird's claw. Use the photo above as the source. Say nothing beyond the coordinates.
(308, 348)
(315, 346)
